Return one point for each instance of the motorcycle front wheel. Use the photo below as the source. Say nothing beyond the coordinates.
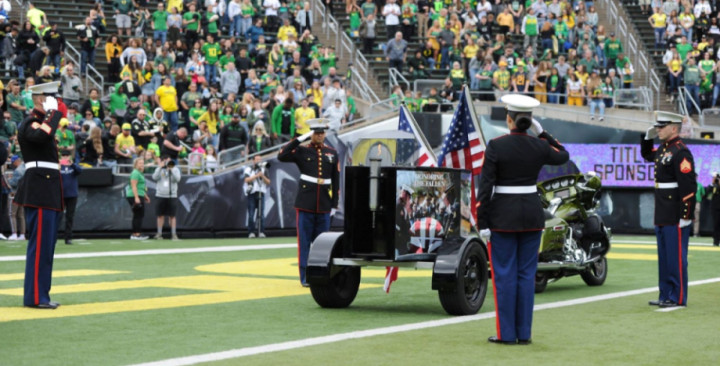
(596, 274)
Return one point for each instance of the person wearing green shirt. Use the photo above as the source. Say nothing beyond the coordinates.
(195, 112)
(327, 60)
(211, 19)
(367, 8)
(501, 77)
(191, 23)
(16, 104)
(707, 66)
(136, 195)
(283, 121)
(159, 23)
(36, 17)
(529, 28)
(612, 48)
(118, 99)
(65, 138)
(683, 48)
(691, 75)
(212, 51)
(227, 58)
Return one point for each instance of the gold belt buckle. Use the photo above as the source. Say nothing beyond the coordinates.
(320, 180)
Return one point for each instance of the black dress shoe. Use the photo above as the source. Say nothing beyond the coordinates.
(68, 242)
(669, 304)
(524, 342)
(654, 302)
(51, 305)
(495, 339)
(305, 284)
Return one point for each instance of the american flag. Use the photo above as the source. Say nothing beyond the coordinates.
(406, 122)
(464, 146)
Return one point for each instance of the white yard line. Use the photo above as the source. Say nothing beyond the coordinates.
(308, 342)
(127, 253)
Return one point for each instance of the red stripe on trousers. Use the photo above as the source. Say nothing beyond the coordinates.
(297, 235)
(38, 246)
(497, 313)
(680, 266)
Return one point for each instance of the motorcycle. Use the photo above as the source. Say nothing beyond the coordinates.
(575, 240)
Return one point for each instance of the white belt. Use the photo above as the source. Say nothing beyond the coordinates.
(310, 179)
(669, 185)
(515, 189)
(42, 164)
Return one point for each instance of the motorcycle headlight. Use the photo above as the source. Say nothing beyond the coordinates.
(564, 183)
(556, 185)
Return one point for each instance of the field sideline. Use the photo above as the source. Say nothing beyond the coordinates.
(129, 303)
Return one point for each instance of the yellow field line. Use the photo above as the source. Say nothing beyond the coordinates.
(66, 273)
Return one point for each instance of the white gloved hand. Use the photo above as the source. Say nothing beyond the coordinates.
(485, 235)
(50, 104)
(536, 127)
(685, 223)
(305, 136)
(651, 133)
(332, 212)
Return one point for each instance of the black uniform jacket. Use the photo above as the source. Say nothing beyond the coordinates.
(40, 187)
(316, 161)
(515, 160)
(673, 163)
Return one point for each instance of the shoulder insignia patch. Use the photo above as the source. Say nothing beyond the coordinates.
(685, 166)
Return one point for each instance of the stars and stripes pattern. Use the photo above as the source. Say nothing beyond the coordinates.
(406, 122)
(427, 234)
(463, 146)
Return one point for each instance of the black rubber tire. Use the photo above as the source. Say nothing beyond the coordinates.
(469, 294)
(541, 282)
(341, 289)
(596, 274)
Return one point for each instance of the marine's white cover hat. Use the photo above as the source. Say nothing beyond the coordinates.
(664, 118)
(318, 124)
(519, 102)
(50, 88)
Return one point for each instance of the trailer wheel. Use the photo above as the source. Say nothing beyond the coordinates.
(596, 274)
(469, 293)
(340, 290)
(541, 282)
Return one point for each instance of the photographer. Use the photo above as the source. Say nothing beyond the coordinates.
(256, 182)
(714, 189)
(167, 176)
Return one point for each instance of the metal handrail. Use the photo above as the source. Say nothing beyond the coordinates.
(230, 152)
(655, 84)
(88, 68)
(362, 86)
(395, 78)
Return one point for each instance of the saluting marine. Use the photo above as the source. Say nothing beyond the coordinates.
(510, 214)
(319, 182)
(675, 187)
(40, 192)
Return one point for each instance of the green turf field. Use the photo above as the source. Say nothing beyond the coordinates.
(123, 305)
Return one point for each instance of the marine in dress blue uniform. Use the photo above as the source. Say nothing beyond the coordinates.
(675, 187)
(510, 215)
(318, 192)
(40, 192)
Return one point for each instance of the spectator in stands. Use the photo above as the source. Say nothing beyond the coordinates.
(520, 81)
(691, 77)
(166, 98)
(396, 51)
(136, 193)
(17, 212)
(337, 114)
(72, 87)
(457, 76)
(113, 50)
(212, 117)
(93, 147)
(141, 129)
(15, 102)
(659, 22)
(687, 23)
(229, 80)
(211, 51)
(626, 70)
(368, 32)
(505, 21)
(447, 42)
(271, 14)
(575, 90)
(133, 50)
(283, 121)
(702, 7)
(9, 47)
(233, 134)
(612, 48)
(501, 77)
(259, 139)
(173, 145)
(65, 137)
(89, 37)
(391, 11)
(158, 23)
(595, 92)
(55, 41)
(123, 11)
(191, 24)
(36, 17)
(125, 145)
(530, 29)
(37, 59)
(27, 41)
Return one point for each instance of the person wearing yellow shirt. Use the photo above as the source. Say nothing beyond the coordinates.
(286, 30)
(505, 21)
(316, 93)
(658, 21)
(302, 115)
(125, 145)
(166, 98)
(36, 17)
(212, 118)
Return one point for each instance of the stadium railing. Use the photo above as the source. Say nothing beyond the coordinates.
(396, 77)
(232, 156)
(74, 56)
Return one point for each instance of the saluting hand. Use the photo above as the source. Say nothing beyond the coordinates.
(50, 104)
